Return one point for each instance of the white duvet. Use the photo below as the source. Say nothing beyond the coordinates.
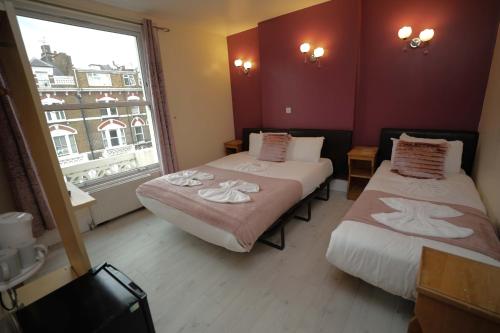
(388, 259)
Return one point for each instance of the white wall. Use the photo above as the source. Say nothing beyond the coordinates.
(487, 167)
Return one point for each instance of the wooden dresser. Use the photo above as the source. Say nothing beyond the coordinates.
(456, 294)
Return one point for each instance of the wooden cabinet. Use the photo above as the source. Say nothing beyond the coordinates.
(456, 294)
(361, 169)
(233, 146)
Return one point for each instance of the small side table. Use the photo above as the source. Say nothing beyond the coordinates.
(233, 146)
(361, 169)
(456, 294)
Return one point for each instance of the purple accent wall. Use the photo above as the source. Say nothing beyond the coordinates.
(367, 80)
(245, 89)
(320, 97)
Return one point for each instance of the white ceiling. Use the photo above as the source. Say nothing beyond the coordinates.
(219, 16)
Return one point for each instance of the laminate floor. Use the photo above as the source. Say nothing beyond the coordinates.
(194, 286)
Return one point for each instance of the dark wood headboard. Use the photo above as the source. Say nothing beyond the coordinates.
(469, 138)
(335, 147)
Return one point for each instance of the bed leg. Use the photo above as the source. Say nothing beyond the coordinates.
(308, 218)
(327, 197)
(280, 246)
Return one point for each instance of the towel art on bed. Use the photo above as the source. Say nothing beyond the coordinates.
(188, 177)
(231, 191)
(421, 218)
(482, 240)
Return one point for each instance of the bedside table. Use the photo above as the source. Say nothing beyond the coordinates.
(455, 294)
(233, 146)
(361, 169)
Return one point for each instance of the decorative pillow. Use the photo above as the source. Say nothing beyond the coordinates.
(274, 147)
(453, 160)
(306, 149)
(254, 144)
(420, 159)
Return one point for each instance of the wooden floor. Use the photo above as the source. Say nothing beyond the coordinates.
(194, 286)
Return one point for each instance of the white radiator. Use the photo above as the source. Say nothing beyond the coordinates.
(118, 198)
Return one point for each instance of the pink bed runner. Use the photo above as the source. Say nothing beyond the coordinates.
(246, 221)
(483, 240)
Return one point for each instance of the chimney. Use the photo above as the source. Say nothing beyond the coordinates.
(47, 55)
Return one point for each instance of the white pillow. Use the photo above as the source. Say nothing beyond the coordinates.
(255, 144)
(306, 149)
(453, 160)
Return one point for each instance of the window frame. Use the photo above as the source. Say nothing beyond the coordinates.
(136, 134)
(68, 143)
(86, 20)
(131, 77)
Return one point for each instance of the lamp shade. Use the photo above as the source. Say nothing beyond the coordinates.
(247, 64)
(404, 32)
(305, 47)
(426, 35)
(238, 62)
(319, 52)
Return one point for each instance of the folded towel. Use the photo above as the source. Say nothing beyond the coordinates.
(188, 178)
(421, 218)
(230, 191)
(252, 167)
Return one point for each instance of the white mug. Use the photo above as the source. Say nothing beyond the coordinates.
(10, 266)
(29, 252)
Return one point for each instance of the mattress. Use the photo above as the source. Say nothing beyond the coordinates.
(309, 175)
(388, 259)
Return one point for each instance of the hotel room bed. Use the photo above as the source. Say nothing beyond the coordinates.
(312, 176)
(309, 175)
(389, 259)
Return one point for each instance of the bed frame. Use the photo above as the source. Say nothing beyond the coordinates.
(335, 147)
(469, 138)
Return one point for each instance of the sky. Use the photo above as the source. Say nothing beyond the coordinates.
(85, 46)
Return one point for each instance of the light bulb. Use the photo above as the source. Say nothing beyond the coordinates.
(319, 52)
(404, 32)
(305, 47)
(426, 35)
(238, 62)
(247, 64)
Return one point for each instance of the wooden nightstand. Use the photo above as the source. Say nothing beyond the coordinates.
(361, 169)
(233, 146)
(456, 294)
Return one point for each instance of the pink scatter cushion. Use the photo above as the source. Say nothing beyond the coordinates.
(420, 159)
(274, 147)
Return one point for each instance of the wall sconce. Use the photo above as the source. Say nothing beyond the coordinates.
(316, 54)
(245, 66)
(421, 41)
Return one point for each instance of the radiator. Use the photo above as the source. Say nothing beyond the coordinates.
(117, 198)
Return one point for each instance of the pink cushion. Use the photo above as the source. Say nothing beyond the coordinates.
(420, 159)
(274, 147)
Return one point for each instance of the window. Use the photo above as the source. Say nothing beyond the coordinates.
(55, 116)
(99, 80)
(128, 80)
(113, 138)
(105, 61)
(135, 110)
(138, 133)
(109, 112)
(64, 139)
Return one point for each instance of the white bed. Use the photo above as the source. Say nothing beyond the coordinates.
(388, 259)
(310, 175)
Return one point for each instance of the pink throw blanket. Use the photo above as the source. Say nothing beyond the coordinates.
(246, 221)
(483, 240)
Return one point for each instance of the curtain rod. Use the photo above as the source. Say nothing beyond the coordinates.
(48, 3)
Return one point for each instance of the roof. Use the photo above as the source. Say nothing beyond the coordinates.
(40, 63)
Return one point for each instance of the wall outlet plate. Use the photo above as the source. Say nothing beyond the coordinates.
(288, 110)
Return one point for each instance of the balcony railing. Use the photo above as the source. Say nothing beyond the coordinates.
(108, 166)
(64, 80)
